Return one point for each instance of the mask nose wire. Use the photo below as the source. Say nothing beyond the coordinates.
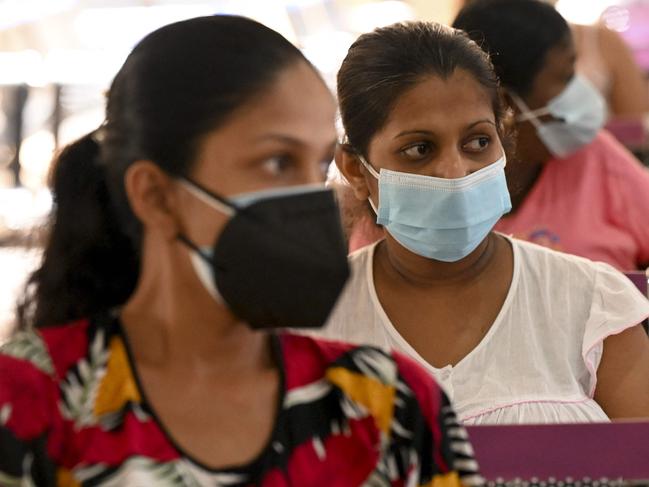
(210, 199)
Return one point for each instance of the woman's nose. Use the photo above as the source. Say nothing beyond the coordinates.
(450, 165)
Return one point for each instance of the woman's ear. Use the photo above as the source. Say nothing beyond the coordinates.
(150, 193)
(351, 168)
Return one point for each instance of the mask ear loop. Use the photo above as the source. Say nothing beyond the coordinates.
(199, 259)
(193, 246)
(526, 113)
(367, 166)
(210, 199)
(376, 175)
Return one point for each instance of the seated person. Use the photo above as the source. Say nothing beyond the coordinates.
(186, 229)
(574, 187)
(604, 57)
(515, 332)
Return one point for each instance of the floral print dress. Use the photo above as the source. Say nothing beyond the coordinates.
(72, 413)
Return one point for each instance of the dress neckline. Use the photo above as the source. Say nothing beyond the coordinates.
(251, 468)
(394, 333)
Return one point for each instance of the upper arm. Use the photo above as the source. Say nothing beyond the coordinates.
(27, 409)
(623, 375)
(629, 90)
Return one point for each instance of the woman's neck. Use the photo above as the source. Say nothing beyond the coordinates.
(523, 172)
(521, 178)
(171, 320)
(420, 272)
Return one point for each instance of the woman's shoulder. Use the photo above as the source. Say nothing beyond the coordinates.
(538, 259)
(312, 359)
(559, 275)
(360, 264)
(54, 350)
(38, 348)
(607, 154)
(32, 369)
(363, 255)
(356, 298)
(388, 397)
(577, 279)
(603, 151)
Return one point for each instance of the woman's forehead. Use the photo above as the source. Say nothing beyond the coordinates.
(436, 100)
(557, 70)
(297, 105)
(561, 54)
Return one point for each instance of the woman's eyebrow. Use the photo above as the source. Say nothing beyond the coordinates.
(288, 139)
(429, 133)
(413, 132)
(478, 122)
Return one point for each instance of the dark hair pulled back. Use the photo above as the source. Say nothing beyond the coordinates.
(381, 65)
(179, 83)
(517, 34)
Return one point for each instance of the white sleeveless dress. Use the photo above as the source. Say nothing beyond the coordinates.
(538, 361)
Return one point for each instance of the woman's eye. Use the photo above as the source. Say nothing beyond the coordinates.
(417, 151)
(277, 165)
(478, 144)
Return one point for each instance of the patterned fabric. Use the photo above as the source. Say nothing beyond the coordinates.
(72, 414)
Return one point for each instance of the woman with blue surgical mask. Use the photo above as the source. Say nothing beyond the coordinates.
(574, 187)
(516, 333)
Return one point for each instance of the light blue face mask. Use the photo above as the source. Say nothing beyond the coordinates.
(579, 112)
(437, 218)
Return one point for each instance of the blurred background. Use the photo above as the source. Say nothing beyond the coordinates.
(57, 58)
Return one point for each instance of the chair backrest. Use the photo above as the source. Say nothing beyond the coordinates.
(640, 279)
(629, 132)
(577, 451)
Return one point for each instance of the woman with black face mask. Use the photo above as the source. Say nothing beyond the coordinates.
(185, 229)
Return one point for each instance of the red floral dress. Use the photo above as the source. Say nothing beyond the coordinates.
(72, 413)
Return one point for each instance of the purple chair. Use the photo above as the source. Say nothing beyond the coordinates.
(596, 451)
(640, 279)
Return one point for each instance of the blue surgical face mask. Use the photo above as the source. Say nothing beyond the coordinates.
(580, 113)
(437, 218)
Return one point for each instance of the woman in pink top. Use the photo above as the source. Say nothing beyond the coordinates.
(593, 203)
(574, 188)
